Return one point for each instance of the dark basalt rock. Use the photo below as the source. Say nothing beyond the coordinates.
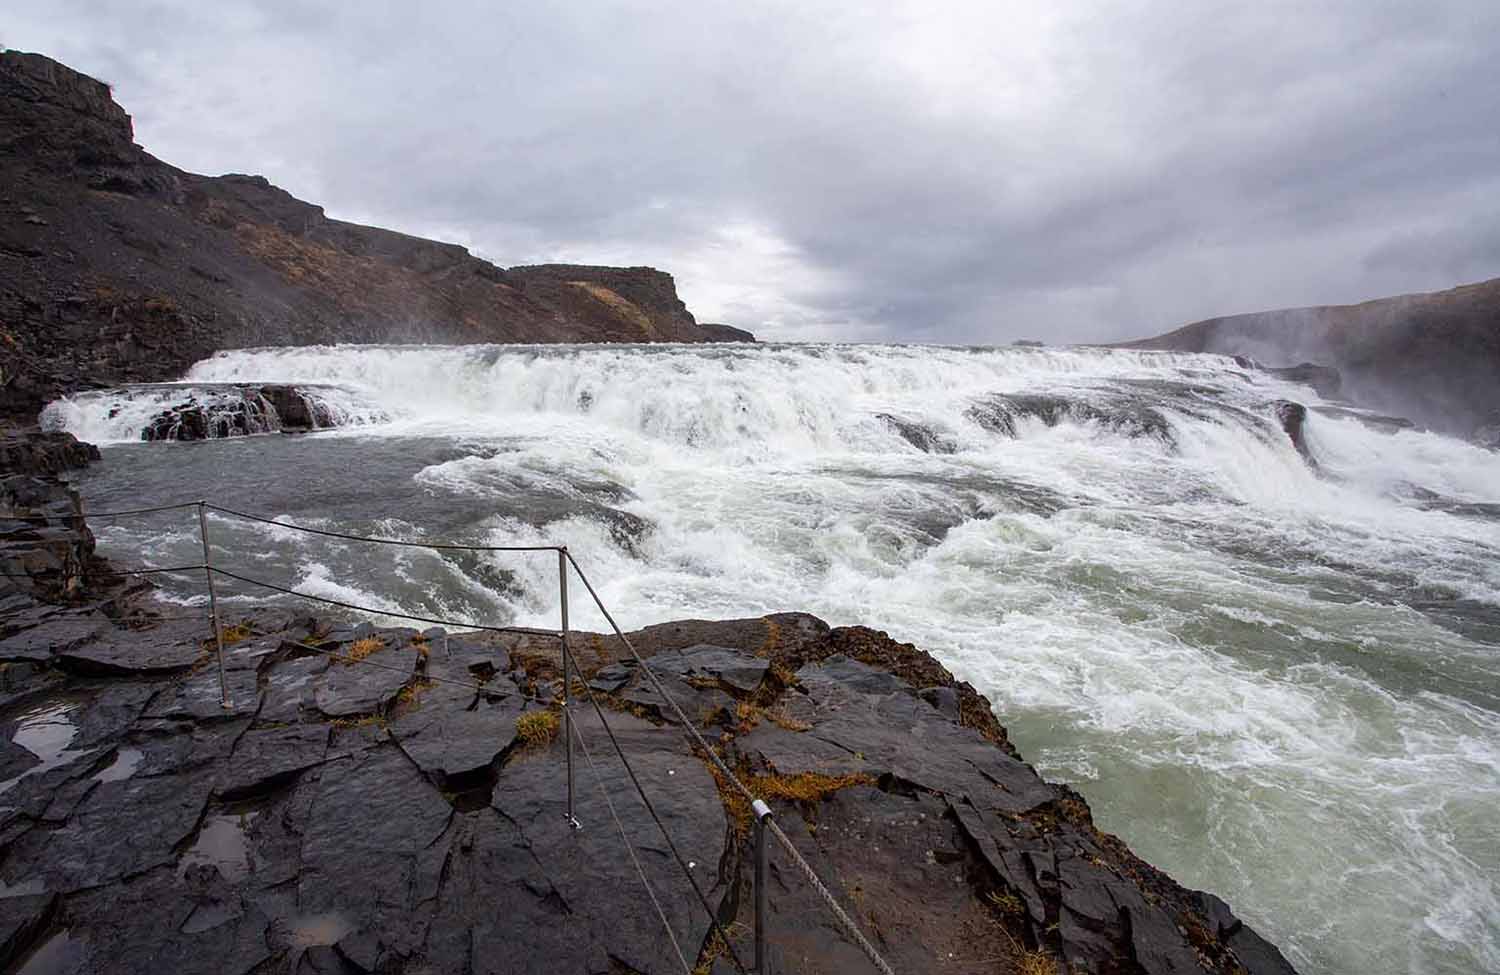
(230, 414)
(180, 265)
(999, 413)
(118, 654)
(1293, 420)
(34, 452)
(214, 413)
(926, 440)
(452, 731)
(347, 690)
(46, 548)
(264, 758)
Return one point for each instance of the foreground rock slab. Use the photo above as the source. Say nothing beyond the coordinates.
(392, 801)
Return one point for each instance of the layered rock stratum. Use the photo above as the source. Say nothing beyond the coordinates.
(118, 267)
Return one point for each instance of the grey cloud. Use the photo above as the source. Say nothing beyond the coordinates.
(966, 174)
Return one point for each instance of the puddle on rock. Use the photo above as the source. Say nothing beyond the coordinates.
(224, 843)
(61, 954)
(127, 760)
(311, 930)
(46, 732)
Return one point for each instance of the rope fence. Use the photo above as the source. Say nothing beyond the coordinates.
(765, 824)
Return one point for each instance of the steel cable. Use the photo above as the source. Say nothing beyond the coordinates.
(530, 631)
(692, 730)
(629, 848)
(687, 871)
(441, 546)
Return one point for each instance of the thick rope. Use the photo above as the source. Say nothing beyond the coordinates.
(640, 872)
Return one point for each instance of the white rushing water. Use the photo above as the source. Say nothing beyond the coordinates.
(1277, 684)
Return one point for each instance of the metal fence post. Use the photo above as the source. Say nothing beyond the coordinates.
(213, 606)
(567, 662)
(762, 813)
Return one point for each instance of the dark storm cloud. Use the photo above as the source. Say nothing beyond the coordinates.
(967, 173)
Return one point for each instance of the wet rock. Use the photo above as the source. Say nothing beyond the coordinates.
(158, 923)
(451, 731)
(266, 758)
(1257, 954)
(730, 669)
(22, 921)
(121, 829)
(926, 440)
(371, 818)
(1000, 413)
(57, 634)
(703, 705)
(200, 696)
(1293, 420)
(610, 679)
(593, 880)
(31, 451)
(289, 687)
(351, 690)
(123, 654)
(863, 720)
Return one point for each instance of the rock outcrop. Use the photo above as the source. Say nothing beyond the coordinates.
(387, 800)
(1293, 419)
(1129, 415)
(46, 548)
(242, 410)
(1431, 357)
(117, 267)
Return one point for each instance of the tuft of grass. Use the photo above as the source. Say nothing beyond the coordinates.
(360, 649)
(537, 728)
(234, 634)
(1036, 963)
(368, 720)
(804, 786)
(412, 691)
(1004, 901)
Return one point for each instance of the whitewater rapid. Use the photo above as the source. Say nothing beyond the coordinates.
(1278, 684)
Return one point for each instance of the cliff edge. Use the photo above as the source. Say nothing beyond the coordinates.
(1431, 357)
(118, 267)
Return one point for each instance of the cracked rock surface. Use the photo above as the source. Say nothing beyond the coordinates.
(408, 812)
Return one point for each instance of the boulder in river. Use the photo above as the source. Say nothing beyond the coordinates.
(1293, 419)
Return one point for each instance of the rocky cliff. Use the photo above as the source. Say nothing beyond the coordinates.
(115, 266)
(1432, 357)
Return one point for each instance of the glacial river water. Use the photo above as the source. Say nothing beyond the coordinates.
(1278, 684)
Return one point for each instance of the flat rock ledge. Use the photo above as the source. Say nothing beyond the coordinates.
(406, 813)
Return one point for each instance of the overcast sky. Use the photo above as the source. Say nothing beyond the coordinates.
(861, 171)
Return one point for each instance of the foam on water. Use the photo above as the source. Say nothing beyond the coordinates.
(1278, 684)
